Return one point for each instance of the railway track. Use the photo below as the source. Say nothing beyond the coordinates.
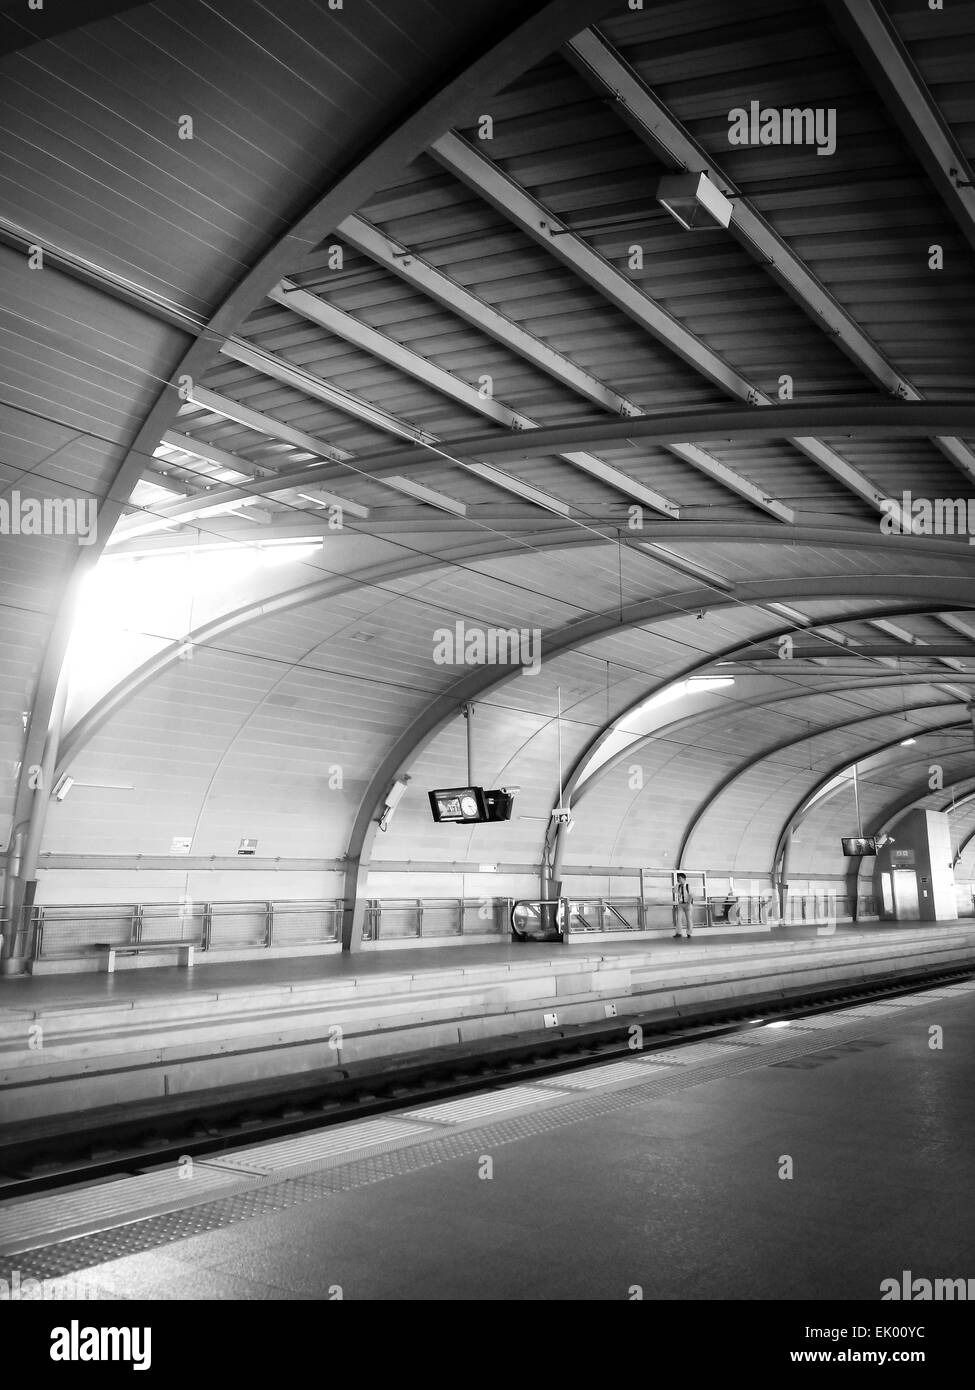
(114, 1141)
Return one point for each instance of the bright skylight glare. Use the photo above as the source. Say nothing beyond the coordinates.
(694, 685)
(636, 723)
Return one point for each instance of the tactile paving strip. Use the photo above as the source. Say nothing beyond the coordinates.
(872, 1011)
(812, 1023)
(458, 1112)
(272, 1194)
(949, 992)
(758, 1037)
(310, 1151)
(690, 1054)
(89, 1208)
(590, 1078)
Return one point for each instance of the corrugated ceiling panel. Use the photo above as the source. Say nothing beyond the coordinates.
(94, 161)
(76, 356)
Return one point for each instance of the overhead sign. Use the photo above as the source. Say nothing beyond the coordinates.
(858, 845)
(458, 805)
(470, 805)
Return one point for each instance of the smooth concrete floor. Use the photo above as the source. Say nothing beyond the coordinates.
(680, 1195)
(21, 991)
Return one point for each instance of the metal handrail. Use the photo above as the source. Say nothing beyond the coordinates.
(46, 930)
(418, 912)
(199, 923)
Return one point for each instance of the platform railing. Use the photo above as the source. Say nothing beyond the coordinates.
(403, 919)
(604, 915)
(601, 915)
(62, 929)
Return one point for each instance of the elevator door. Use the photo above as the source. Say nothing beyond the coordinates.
(905, 895)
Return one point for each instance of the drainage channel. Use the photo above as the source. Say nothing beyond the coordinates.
(33, 1161)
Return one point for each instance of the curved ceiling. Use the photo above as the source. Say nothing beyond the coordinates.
(394, 335)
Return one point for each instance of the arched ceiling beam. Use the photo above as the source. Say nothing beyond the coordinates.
(762, 755)
(803, 807)
(891, 419)
(894, 810)
(576, 774)
(656, 535)
(875, 41)
(938, 593)
(636, 104)
(958, 805)
(81, 734)
(909, 651)
(729, 706)
(577, 783)
(896, 419)
(568, 638)
(892, 814)
(962, 848)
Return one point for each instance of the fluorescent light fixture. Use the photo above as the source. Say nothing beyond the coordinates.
(694, 201)
(62, 787)
(783, 1023)
(908, 742)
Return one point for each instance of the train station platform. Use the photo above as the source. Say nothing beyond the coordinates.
(812, 1160)
(70, 1044)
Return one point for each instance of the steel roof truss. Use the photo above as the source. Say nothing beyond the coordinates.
(480, 174)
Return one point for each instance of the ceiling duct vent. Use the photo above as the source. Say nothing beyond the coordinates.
(694, 201)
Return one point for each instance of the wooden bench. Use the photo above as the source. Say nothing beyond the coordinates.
(109, 950)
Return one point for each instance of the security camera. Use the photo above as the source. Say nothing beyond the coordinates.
(393, 798)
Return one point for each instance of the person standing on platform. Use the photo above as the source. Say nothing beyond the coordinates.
(683, 897)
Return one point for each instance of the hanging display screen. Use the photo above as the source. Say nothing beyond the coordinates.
(855, 846)
(470, 805)
(458, 805)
